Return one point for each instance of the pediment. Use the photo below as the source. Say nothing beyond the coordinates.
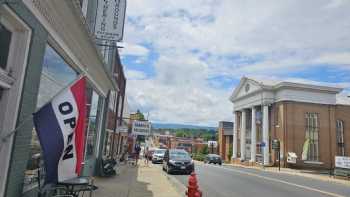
(245, 87)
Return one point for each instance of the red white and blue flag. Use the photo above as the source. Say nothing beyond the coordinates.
(60, 125)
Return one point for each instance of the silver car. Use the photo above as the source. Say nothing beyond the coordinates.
(158, 156)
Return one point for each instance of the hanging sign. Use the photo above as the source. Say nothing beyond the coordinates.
(109, 22)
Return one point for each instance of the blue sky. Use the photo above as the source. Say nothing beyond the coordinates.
(184, 58)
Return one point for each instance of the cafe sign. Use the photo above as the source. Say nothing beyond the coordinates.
(342, 162)
(109, 22)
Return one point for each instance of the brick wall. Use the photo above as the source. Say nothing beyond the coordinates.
(293, 128)
(342, 112)
(221, 143)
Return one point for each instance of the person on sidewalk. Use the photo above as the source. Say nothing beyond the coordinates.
(137, 152)
(146, 155)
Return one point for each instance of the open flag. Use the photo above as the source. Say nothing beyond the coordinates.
(60, 125)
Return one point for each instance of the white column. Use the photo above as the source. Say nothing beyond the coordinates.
(234, 144)
(266, 134)
(243, 130)
(253, 136)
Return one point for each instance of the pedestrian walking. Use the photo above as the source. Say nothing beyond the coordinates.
(146, 155)
(137, 152)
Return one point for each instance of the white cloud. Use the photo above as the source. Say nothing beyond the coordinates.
(135, 75)
(197, 39)
(133, 49)
(338, 59)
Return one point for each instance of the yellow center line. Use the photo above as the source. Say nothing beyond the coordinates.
(281, 181)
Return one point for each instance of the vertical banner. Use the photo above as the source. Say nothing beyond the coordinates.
(110, 18)
(60, 125)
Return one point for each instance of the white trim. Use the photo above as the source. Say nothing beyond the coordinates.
(79, 51)
(284, 91)
(17, 60)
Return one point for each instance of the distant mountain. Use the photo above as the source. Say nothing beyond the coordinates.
(179, 126)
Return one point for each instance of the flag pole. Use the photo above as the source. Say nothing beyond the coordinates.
(4, 137)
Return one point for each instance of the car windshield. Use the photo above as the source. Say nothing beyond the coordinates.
(179, 155)
(159, 152)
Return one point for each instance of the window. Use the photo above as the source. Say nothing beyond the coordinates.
(5, 40)
(95, 103)
(340, 138)
(56, 75)
(311, 134)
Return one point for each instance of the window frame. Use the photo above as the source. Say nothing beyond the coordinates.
(312, 128)
(340, 138)
(49, 44)
(11, 81)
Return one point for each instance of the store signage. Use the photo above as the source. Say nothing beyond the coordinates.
(342, 162)
(109, 22)
(141, 127)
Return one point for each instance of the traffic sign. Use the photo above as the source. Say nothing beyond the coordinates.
(275, 144)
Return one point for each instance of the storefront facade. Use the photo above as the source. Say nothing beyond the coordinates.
(308, 120)
(45, 46)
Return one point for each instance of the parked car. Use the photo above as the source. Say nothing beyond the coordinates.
(213, 158)
(158, 156)
(177, 160)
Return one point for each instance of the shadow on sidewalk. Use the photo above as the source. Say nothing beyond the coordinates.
(124, 185)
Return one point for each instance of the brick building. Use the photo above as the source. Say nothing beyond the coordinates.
(191, 145)
(309, 120)
(225, 139)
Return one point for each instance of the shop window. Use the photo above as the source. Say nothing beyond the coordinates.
(340, 138)
(311, 134)
(95, 103)
(5, 41)
(56, 75)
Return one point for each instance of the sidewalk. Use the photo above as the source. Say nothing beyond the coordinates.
(304, 173)
(139, 181)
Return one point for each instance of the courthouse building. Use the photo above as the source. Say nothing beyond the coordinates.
(311, 121)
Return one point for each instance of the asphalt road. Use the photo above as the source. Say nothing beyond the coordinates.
(227, 181)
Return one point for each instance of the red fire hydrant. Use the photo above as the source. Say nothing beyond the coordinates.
(192, 188)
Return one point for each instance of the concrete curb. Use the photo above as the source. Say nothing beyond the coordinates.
(296, 173)
(177, 184)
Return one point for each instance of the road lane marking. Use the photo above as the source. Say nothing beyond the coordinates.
(281, 181)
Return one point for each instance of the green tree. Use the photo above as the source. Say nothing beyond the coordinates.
(180, 133)
(140, 115)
